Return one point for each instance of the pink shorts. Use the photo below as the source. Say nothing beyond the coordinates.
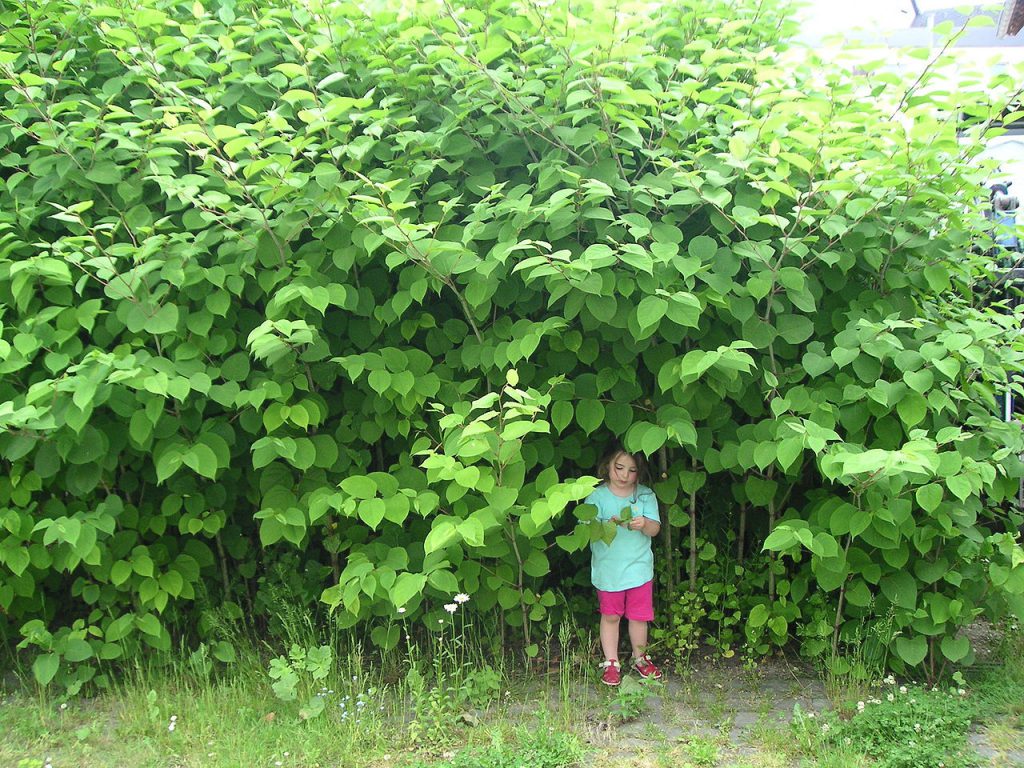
(636, 604)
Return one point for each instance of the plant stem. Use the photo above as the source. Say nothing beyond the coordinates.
(669, 562)
(839, 606)
(692, 565)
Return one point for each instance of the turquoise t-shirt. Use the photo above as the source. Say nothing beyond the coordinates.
(629, 560)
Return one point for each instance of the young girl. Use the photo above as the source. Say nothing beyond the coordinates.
(623, 571)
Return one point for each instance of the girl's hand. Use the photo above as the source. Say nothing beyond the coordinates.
(637, 523)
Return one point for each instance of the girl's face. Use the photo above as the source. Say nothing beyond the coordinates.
(622, 472)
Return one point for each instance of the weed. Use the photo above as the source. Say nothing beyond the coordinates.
(850, 669)
(702, 751)
(296, 676)
(433, 710)
(903, 727)
(629, 699)
(540, 747)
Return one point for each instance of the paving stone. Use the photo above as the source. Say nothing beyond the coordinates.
(727, 705)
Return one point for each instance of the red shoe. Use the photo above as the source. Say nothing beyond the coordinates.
(612, 674)
(646, 668)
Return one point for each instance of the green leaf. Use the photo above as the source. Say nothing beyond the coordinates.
(795, 328)
(919, 381)
(650, 311)
(202, 460)
(960, 487)
(472, 532)
(901, 589)
(45, 667)
(788, 451)
(359, 487)
(224, 652)
(164, 320)
(120, 572)
(929, 496)
(149, 624)
(440, 536)
(104, 172)
(684, 309)
(780, 539)
(77, 650)
(406, 586)
(758, 616)
(443, 581)
(589, 414)
(955, 648)
(168, 463)
(912, 650)
(371, 512)
(271, 531)
(561, 415)
(816, 364)
(912, 409)
(140, 427)
(702, 247)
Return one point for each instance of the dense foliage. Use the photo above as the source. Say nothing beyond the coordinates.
(301, 299)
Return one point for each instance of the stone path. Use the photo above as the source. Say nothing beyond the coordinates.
(723, 716)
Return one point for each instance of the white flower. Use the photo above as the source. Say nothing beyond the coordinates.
(825, 727)
(402, 609)
(890, 697)
(890, 680)
(460, 598)
(917, 727)
(860, 706)
(64, 705)
(961, 691)
(903, 689)
(810, 715)
(451, 607)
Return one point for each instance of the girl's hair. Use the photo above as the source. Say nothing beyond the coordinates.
(614, 450)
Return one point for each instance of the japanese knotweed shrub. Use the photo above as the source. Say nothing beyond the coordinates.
(361, 297)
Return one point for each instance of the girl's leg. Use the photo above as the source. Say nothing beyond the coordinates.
(638, 637)
(610, 635)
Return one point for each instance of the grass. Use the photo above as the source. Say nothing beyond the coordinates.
(439, 707)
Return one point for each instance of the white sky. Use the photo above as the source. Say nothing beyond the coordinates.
(824, 17)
